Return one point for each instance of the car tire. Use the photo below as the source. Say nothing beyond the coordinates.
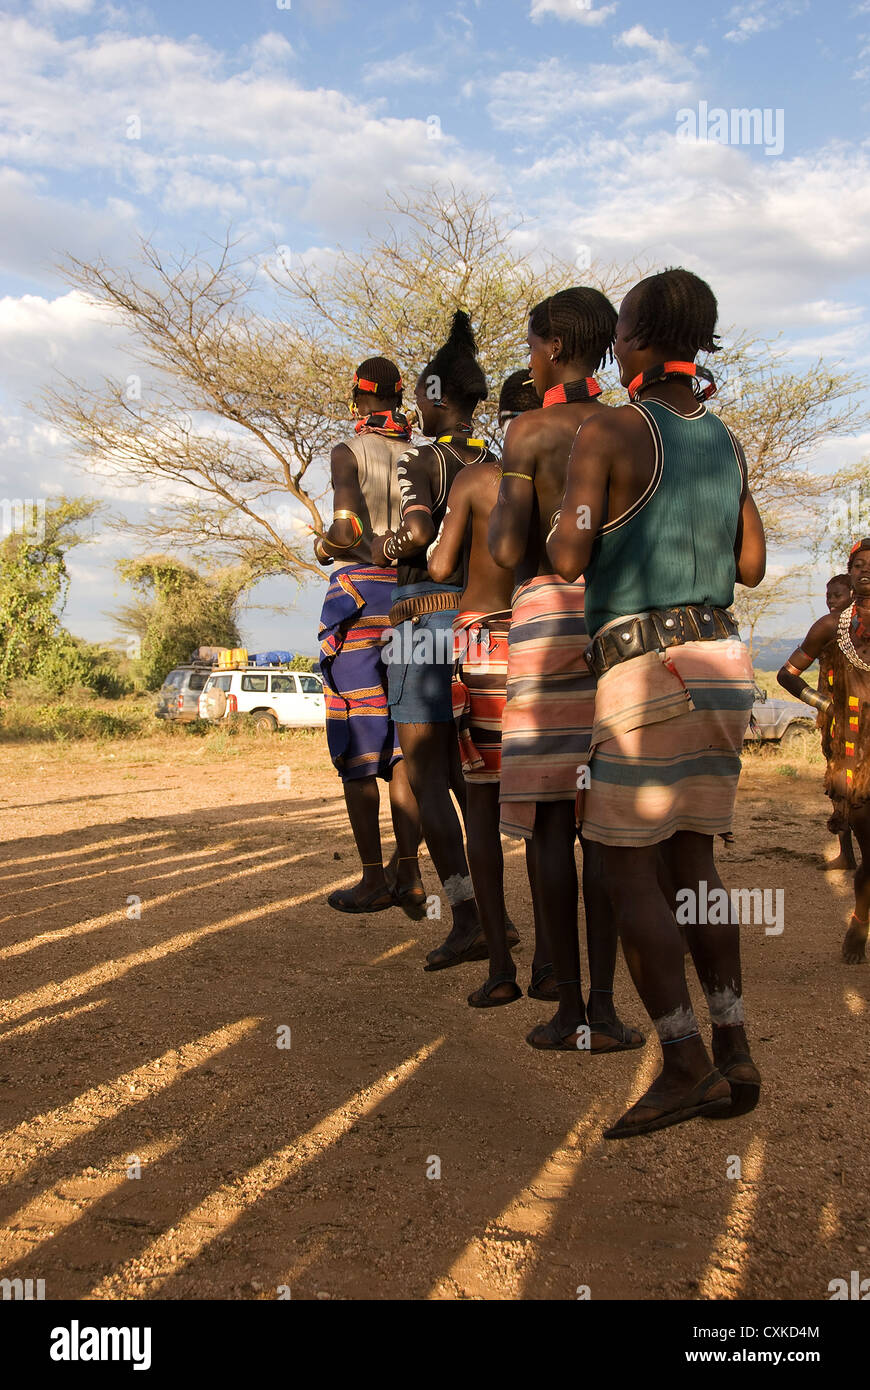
(264, 722)
(795, 734)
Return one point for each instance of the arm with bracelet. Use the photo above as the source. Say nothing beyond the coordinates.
(790, 676)
(512, 515)
(344, 533)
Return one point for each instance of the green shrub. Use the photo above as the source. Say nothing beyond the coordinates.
(61, 721)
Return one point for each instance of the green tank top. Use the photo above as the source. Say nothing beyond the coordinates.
(675, 545)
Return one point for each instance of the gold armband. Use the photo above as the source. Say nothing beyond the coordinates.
(354, 521)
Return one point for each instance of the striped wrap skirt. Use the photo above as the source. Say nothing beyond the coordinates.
(479, 691)
(360, 734)
(547, 722)
(666, 744)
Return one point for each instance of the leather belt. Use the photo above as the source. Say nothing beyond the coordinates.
(656, 631)
(419, 605)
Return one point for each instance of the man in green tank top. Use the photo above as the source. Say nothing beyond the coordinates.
(658, 517)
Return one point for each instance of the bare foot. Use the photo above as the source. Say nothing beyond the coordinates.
(855, 942)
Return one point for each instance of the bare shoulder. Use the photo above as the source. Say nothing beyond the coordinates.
(823, 631)
(420, 454)
(343, 454)
(523, 431)
(825, 628)
(610, 424)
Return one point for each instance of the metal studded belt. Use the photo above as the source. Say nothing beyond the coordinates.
(419, 605)
(656, 631)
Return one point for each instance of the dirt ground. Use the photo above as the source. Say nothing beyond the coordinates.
(163, 929)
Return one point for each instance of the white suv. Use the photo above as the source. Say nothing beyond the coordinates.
(273, 698)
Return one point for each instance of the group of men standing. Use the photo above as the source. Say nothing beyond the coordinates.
(547, 636)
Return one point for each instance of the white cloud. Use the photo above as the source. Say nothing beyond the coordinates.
(770, 235)
(661, 49)
(581, 11)
(38, 227)
(552, 92)
(755, 16)
(402, 73)
(272, 48)
(70, 335)
(76, 7)
(174, 123)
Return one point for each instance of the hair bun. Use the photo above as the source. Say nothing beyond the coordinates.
(461, 335)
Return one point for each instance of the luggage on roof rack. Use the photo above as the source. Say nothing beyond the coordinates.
(233, 656)
(272, 658)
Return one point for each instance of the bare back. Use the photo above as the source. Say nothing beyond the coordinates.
(537, 448)
(463, 534)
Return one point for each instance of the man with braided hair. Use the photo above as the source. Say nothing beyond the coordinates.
(517, 395)
(360, 734)
(845, 707)
(547, 719)
(479, 691)
(420, 653)
(668, 527)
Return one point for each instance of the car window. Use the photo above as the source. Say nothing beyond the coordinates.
(283, 685)
(311, 685)
(222, 682)
(258, 684)
(174, 678)
(197, 680)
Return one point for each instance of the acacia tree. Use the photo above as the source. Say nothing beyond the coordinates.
(247, 365)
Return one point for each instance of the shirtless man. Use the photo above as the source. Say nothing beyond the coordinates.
(548, 717)
(480, 681)
(847, 780)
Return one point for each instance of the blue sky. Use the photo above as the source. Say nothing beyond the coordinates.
(274, 119)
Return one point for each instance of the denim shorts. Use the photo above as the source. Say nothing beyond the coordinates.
(419, 659)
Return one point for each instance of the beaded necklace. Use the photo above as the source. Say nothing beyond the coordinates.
(844, 638)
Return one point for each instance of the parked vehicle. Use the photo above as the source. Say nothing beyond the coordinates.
(783, 721)
(272, 698)
(178, 699)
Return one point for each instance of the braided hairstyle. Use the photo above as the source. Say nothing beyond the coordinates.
(384, 374)
(583, 318)
(678, 310)
(454, 371)
(518, 394)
